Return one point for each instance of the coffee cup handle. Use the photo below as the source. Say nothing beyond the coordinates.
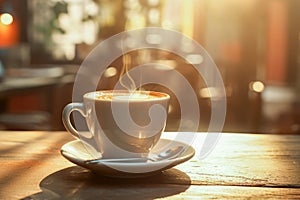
(66, 117)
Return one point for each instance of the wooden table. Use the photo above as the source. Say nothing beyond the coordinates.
(241, 166)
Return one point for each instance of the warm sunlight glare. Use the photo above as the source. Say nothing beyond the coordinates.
(6, 19)
(257, 86)
(110, 72)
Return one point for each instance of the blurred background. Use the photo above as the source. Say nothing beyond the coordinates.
(254, 43)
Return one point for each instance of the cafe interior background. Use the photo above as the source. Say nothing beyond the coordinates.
(255, 45)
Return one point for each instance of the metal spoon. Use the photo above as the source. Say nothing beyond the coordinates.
(165, 155)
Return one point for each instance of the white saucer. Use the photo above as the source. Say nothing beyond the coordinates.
(76, 152)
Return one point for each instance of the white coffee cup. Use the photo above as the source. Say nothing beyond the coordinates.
(121, 124)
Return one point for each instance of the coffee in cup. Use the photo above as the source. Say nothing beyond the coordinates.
(121, 124)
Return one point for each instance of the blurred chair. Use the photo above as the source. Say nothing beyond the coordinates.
(56, 95)
(279, 110)
(36, 120)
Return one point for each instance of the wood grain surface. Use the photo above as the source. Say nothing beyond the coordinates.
(242, 166)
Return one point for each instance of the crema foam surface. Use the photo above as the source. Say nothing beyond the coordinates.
(127, 97)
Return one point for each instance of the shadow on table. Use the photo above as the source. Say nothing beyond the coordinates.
(79, 183)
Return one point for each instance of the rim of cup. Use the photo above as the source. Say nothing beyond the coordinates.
(96, 94)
